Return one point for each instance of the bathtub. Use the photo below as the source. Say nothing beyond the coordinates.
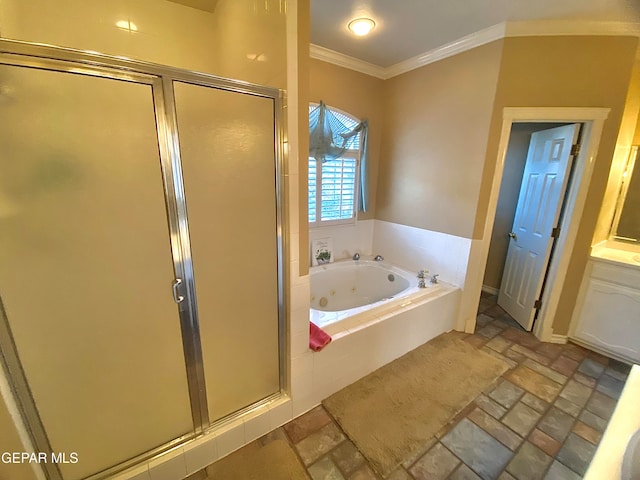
(348, 294)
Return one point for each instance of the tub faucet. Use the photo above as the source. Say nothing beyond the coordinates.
(421, 276)
(356, 256)
(378, 258)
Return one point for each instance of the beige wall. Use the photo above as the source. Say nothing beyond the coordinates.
(443, 123)
(240, 39)
(620, 158)
(568, 72)
(302, 100)
(249, 41)
(636, 80)
(435, 139)
(359, 95)
(514, 163)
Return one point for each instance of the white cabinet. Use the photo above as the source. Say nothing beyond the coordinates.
(607, 317)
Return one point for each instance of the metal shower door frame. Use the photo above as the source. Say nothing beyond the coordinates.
(160, 79)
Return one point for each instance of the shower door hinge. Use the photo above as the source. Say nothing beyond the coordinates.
(575, 149)
(555, 233)
(537, 304)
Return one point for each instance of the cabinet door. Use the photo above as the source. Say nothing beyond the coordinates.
(610, 318)
(227, 145)
(86, 265)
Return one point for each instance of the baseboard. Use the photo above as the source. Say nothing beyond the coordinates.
(490, 290)
(199, 475)
(561, 339)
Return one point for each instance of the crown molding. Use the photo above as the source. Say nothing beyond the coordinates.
(567, 28)
(463, 44)
(482, 37)
(352, 63)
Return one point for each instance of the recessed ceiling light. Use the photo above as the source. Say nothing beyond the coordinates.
(361, 26)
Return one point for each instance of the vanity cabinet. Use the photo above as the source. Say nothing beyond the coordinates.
(607, 317)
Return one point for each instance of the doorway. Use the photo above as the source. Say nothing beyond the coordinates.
(529, 205)
(593, 121)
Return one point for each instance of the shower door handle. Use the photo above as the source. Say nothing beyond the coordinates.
(176, 296)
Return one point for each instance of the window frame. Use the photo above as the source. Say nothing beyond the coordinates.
(350, 153)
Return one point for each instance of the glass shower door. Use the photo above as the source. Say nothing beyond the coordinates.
(227, 149)
(85, 265)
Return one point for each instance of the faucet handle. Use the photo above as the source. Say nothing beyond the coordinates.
(434, 278)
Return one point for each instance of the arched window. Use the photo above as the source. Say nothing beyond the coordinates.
(334, 182)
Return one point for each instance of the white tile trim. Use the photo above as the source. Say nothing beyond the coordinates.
(490, 290)
(482, 37)
(560, 339)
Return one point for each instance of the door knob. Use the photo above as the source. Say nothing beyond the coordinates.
(513, 235)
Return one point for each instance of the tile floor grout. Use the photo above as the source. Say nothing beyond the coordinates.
(523, 436)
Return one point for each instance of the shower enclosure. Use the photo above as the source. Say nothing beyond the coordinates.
(141, 253)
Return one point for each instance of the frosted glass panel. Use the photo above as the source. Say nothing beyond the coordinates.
(227, 149)
(86, 267)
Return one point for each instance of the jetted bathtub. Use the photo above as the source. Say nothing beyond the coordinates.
(349, 293)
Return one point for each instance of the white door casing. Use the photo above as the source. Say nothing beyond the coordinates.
(544, 183)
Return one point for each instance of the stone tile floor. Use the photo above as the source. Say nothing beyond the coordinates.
(542, 420)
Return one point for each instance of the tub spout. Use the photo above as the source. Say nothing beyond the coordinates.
(378, 258)
(356, 256)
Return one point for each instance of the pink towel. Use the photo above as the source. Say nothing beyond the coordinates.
(318, 339)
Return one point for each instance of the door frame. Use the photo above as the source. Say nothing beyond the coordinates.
(575, 196)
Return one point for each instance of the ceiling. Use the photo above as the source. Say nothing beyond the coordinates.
(407, 28)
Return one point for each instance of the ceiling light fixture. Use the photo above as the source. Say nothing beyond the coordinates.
(361, 26)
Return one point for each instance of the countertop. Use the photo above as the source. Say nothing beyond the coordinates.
(607, 462)
(619, 256)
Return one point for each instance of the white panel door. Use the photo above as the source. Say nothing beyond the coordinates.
(544, 183)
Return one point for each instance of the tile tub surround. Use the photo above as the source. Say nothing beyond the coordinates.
(416, 249)
(364, 347)
(347, 239)
(409, 247)
(516, 433)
